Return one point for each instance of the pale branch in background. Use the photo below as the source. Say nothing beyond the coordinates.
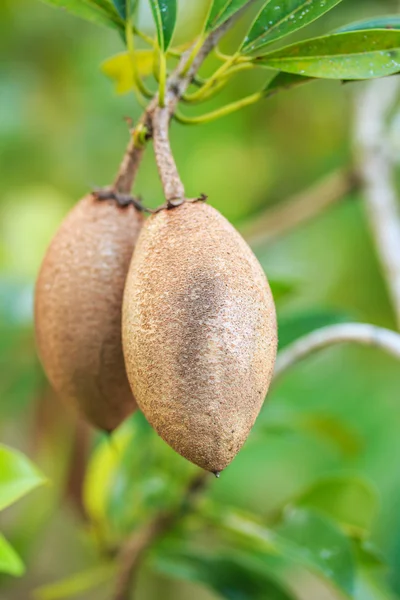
(357, 333)
(376, 171)
(301, 208)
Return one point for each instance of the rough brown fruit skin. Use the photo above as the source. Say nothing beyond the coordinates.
(78, 304)
(199, 333)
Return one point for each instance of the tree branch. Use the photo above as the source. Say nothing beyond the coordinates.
(377, 175)
(156, 119)
(358, 333)
(128, 168)
(301, 208)
(133, 552)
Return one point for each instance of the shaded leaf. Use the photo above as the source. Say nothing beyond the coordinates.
(285, 81)
(165, 14)
(221, 11)
(306, 540)
(100, 12)
(333, 430)
(233, 575)
(18, 476)
(295, 326)
(125, 8)
(352, 55)
(369, 555)
(76, 584)
(278, 19)
(318, 544)
(325, 426)
(351, 501)
(387, 22)
(281, 288)
(120, 70)
(10, 562)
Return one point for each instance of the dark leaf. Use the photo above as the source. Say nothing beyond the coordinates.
(285, 81)
(125, 8)
(221, 10)
(278, 19)
(304, 539)
(352, 55)
(369, 555)
(315, 542)
(165, 14)
(387, 22)
(233, 575)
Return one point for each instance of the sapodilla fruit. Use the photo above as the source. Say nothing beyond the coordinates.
(199, 333)
(78, 303)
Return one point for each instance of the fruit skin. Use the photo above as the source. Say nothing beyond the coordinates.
(199, 333)
(78, 302)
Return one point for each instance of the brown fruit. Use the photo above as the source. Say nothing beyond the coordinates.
(199, 333)
(78, 304)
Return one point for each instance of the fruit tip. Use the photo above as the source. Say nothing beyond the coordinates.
(217, 474)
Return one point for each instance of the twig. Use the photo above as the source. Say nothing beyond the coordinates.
(133, 552)
(358, 333)
(301, 208)
(128, 168)
(377, 175)
(156, 119)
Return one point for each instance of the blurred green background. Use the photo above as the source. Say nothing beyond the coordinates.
(62, 131)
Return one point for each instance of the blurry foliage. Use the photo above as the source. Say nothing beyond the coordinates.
(17, 477)
(290, 501)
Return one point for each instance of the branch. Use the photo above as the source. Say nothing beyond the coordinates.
(358, 333)
(377, 175)
(132, 554)
(156, 119)
(128, 168)
(301, 208)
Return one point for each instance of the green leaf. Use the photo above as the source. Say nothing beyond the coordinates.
(369, 555)
(100, 12)
(79, 583)
(18, 476)
(124, 8)
(232, 575)
(306, 540)
(119, 68)
(278, 19)
(285, 81)
(322, 425)
(281, 289)
(221, 11)
(352, 55)
(313, 541)
(165, 14)
(100, 471)
(387, 22)
(295, 326)
(351, 501)
(10, 562)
